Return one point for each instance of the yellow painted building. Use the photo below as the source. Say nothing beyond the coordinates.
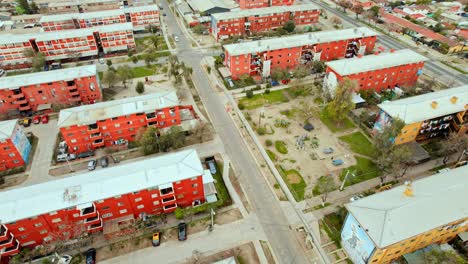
(429, 115)
(384, 226)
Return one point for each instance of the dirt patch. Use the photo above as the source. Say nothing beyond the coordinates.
(13, 180)
(242, 254)
(238, 189)
(293, 177)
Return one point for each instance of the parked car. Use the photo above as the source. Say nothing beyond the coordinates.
(338, 162)
(101, 60)
(182, 231)
(85, 154)
(62, 157)
(90, 256)
(176, 38)
(92, 165)
(65, 259)
(104, 161)
(2, 72)
(156, 242)
(62, 147)
(211, 166)
(356, 197)
(72, 156)
(26, 122)
(36, 120)
(274, 83)
(45, 119)
(56, 66)
(328, 150)
(164, 14)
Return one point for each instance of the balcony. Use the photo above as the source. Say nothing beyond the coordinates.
(169, 208)
(96, 135)
(95, 227)
(3, 232)
(93, 220)
(74, 93)
(18, 95)
(88, 211)
(8, 242)
(71, 87)
(75, 98)
(170, 199)
(151, 117)
(22, 101)
(93, 128)
(166, 191)
(11, 250)
(98, 143)
(25, 108)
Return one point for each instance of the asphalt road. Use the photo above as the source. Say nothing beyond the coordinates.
(436, 68)
(284, 243)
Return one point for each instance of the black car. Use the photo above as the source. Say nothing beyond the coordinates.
(85, 154)
(90, 256)
(182, 231)
(104, 161)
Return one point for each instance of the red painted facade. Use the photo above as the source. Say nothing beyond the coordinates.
(9, 156)
(320, 48)
(14, 145)
(67, 87)
(66, 44)
(140, 17)
(261, 20)
(248, 4)
(108, 215)
(118, 130)
(383, 78)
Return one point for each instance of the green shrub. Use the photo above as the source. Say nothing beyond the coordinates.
(281, 147)
(268, 85)
(249, 93)
(257, 87)
(241, 106)
(179, 213)
(267, 91)
(261, 131)
(208, 69)
(268, 143)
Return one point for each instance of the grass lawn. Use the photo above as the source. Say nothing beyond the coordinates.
(259, 100)
(364, 170)
(223, 194)
(281, 147)
(295, 182)
(271, 154)
(332, 224)
(144, 43)
(332, 124)
(144, 71)
(359, 144)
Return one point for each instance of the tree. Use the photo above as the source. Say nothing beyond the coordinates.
(358, 9)
(345, 4)
(289, 26)
(149, 58)
(301, 72)
(325, 184)
(436, 15)
(155, 41)
(455, 144)
(336, 21)
(342, 102)
(279, 74)
(173, 138)
(110, 78)
(391, 158)
(201, 130)
(24, 5)
(307, 111)
(198, 29)
(34, 8)
(147, 139)
(38, 62)
(125, 73)
(140, 87)
(375, 11)
(249, 93)
(318, 66)
(108, 63)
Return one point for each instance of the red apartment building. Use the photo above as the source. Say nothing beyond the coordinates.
(263, 56)
(72, 86)
(107, 201)
(14, 146)
(66, 44)
(69, 6)
(246, 22)
(140, 17)
(248, 4)
(379, 71)
(117, 122)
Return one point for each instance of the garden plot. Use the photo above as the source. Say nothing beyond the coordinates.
(297, 153)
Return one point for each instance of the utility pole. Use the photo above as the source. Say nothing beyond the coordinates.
(345, 178)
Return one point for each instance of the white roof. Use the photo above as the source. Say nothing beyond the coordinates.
(374, 62)
(263, 11)
(89, 114)
(13, 82)
(204, 5)
(391, 216)
(98, 185)
(419, 108)
(16, 38)
(298, 40)
(98, 14)
(6, 128)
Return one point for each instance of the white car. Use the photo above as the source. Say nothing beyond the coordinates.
(356, 197)
(176, 38)
(101, 60)
(2, 72)
(65, 259)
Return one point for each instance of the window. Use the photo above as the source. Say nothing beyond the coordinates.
(195, 192)
(11, 154)
(156, 203)
(37, 224)
(43, 232)
(107, 215)
(123, 211)
(21, 229)
(56, 220)
(140, 206)
(195, 185)
(138, 199)
(154, 195)
(46, 239)
(120, 204)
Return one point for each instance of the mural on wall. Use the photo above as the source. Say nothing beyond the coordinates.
(381, 121)
(356, 242)
(21, 142)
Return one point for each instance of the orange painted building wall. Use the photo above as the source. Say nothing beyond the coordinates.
(249, 4)
(9, 156)
(12, 55)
